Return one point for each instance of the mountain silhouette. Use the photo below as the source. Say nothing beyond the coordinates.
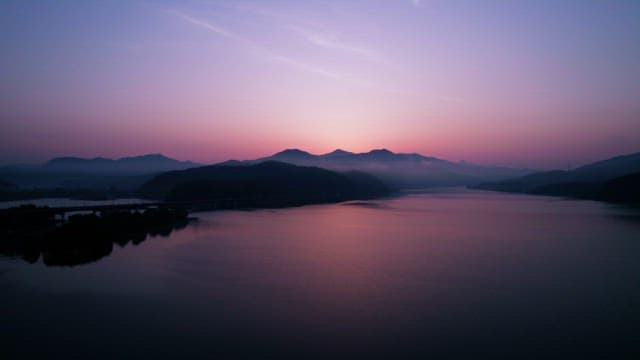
(337, 154)
(291, 155)
(107, 178)
(126, 173)
(396, 170)
(135, 165)
(621, 189)
(608, 179)
(266, 184)
(343, 155)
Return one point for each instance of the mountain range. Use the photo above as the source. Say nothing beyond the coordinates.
(101, 173)
(612, 179)
(134, 165)
(396, 170)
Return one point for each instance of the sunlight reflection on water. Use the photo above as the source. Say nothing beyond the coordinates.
(441, 273)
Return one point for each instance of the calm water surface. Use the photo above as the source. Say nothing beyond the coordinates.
(450, 275)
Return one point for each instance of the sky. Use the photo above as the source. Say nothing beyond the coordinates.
(540, 84)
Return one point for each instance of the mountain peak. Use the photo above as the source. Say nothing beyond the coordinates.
(74, 159)
(148, 163)
(381, 152)
(153, 155)
(292, 152)
(146, 157)
(338, 152)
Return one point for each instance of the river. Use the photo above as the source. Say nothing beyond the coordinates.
(447, 274)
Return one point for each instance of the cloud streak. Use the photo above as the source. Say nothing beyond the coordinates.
(315, 38)
(204, 24)
(306, 67)
(310, 31)
(332, 42)
(264, 51)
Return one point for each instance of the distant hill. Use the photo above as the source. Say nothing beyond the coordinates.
(266, 184)
(397, 170)
(126, 173)
(136, 165)
(340, 155)
(622, 189)
(598, 180)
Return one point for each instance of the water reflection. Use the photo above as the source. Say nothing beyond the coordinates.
(33, 232)
(365, 204)
(471, 275)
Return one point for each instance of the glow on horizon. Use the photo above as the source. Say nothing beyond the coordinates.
(537, 84)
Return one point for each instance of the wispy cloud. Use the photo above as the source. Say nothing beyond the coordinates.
(221, 31)
(307, 67)
(312, 68)
(275, 16)
(268, 53)
(417, 3)
(330, 41)
(312, 32)
(204, 24)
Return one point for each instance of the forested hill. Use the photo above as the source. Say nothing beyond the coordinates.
(267, 184)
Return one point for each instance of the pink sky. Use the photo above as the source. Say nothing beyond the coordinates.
(537, 84)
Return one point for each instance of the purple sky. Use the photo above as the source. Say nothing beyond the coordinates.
(525, 83)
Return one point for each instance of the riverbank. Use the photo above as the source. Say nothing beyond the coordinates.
(32, 232)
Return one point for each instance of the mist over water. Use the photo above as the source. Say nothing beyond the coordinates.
(446, 274)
